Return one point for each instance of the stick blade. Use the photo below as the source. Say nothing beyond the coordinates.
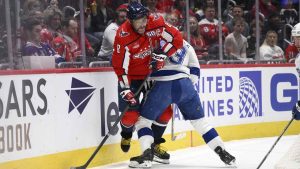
(80, 167)
(179, 136)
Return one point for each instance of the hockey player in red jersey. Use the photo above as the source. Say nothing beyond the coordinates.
(133, 50)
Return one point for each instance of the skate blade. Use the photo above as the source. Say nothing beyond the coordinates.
(232, 164)
(162, 161)
(145, 164)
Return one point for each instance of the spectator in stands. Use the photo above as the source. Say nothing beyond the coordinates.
(196, 40)
(114, 4)
(199, 14)
(235, 43)
(54, 3)
(265, 7)
(34, 46)
(38, 15)
(251, 49)
(106, 50)
(30, 5)
(90, 51)
(179, 9)
(228, 12)
(101, 18)
(238, 12)
(172, 18)
(274, 23)
(53, 18)
(68, 45)
(269, 49)
(209, 31)
(212, 3)
(165, 5)
(151, 5)
(208, 26)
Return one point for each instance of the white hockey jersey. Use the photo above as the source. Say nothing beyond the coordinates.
(183, 64)
(297, 63)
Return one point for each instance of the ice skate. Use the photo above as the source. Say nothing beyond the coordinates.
(225, 156)
(142, 161)
(160, 154)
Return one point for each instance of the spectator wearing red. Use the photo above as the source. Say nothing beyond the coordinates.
(68, 45)
(165, 5)
(151, 5)
(265, 7)
(208, 26)
(53, 18)
(196, 40)
(209, 30)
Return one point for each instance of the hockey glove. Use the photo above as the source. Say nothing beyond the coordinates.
(158, 61)
(128, 96)
(296, 111)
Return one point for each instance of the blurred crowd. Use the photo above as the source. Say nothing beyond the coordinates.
(52, 27)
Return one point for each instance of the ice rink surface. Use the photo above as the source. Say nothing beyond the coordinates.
(249, 153)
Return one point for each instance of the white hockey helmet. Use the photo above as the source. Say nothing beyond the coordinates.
(296, 30)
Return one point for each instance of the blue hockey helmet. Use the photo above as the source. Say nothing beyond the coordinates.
(136, 11)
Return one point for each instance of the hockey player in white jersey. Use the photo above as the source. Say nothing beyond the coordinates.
(296, 38)
(174, 84)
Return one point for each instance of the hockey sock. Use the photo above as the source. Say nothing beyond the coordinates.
(126, 131)
(209, 134)
(126, 135)
(158, 130)
(145, 134)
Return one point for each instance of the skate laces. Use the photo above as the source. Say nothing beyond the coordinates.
(160, 149)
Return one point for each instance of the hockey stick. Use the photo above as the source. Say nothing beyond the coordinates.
(173, 136)
(287, 126)
(109, 132)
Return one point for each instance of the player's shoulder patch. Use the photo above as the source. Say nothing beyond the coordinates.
(123, 33)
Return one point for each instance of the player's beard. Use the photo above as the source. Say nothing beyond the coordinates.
(141, 30)
(139, 25)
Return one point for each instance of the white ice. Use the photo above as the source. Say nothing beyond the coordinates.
(249, 153)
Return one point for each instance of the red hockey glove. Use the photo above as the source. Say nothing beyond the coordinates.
(158, 61)
(128, 96)
(296, 111)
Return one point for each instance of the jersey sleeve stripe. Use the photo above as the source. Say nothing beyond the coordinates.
(125, 82)
(167, 36)
(195, 71)
(167, 47)
(126, 60)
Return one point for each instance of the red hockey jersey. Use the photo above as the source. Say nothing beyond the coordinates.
(132, 51)
(291, 52)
